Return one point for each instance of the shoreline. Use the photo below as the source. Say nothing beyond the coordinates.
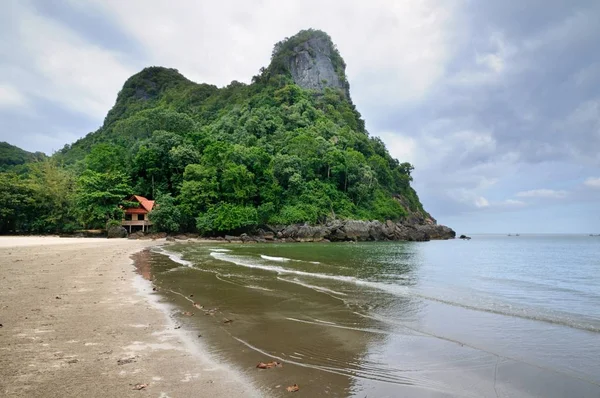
(78, 320)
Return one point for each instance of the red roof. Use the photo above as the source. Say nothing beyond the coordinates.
(136, 210)
(145, 205)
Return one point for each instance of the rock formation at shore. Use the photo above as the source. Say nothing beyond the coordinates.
(349, 230)
(352, 230)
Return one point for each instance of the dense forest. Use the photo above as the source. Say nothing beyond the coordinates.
(215, 159)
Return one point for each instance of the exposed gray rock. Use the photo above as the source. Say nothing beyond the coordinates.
(136, 235)
(116, 231)
(248, 239)
(437, 232)
(311, 65)
(230, 238)
(409, 233)
(377, 231)
(354, 230)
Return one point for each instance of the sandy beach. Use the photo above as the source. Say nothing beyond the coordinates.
(76, 320)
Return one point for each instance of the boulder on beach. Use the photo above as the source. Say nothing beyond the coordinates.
(116, 231)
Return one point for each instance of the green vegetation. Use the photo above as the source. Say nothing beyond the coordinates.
(13, 158)
(217, 159)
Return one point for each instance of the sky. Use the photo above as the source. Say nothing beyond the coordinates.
(495, 103)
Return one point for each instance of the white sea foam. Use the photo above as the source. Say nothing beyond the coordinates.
(278, 259)
(258, 288)
(283, 271)
(175, 257)
(220, 250)
(317, 288)
(326, 322)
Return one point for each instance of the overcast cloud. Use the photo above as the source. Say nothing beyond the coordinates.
(496, 103)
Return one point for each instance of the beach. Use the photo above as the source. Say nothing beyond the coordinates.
(77, 320)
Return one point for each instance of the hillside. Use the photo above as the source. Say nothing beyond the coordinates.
(11, 156)
(288, 148)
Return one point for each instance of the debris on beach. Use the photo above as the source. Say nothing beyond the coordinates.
(225, 320)
(187, 313)
(191, 295)
(154, 289)
(140, 386)
(1, 325)
(58, 298)
(198, 306)
(269, 365)
(125, 360)
(293, 388)
(210, 312)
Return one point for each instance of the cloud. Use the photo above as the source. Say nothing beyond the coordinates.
(488, 65)
(513, 203)
(54, 63)
(396, 50)
(482, 202)
(11, 97)
(592, 182)
(400, 146)
(543, 193)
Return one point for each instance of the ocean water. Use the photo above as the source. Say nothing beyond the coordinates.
(496, 316)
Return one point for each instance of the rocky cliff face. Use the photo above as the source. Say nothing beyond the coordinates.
(352, 230)
(312, 60)
(311, 65)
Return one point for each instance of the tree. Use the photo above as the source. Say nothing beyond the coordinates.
(154, 167)
(17, 205)
(200, 189)
(53, 191)
(98, 197)
(106, 158)
(227, 217)
(165, 216)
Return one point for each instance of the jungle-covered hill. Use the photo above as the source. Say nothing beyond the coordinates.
(11, 156)
(288, 148)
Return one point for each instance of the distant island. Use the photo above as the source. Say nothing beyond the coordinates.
(287, 154)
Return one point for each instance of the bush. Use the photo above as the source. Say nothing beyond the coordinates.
(227, 217)
(113, 223)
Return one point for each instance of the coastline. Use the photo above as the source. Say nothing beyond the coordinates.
(77, 320)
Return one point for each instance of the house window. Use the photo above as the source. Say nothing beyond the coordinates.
(141, 217)
(127, 217)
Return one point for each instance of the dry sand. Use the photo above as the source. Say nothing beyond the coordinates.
(78, 321)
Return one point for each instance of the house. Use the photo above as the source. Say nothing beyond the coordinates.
(136, 217)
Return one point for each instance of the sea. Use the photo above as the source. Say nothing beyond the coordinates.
(494, 316)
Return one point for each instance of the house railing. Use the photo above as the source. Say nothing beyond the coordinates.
(136, 222)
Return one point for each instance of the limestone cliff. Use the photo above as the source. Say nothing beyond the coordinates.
(288, 149)
(313, 61)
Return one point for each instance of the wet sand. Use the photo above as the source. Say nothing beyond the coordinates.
(78, 321)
